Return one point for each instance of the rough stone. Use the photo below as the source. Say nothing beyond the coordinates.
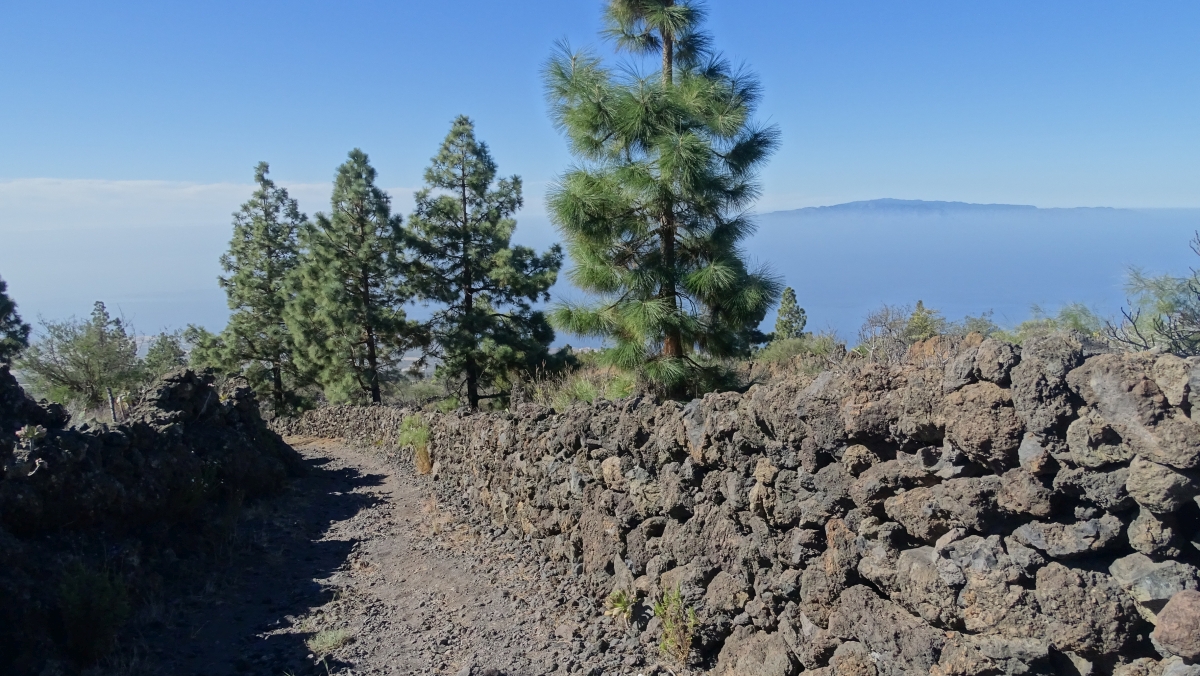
(1152, 584)
(1088, 612)
(755, 653)
(1158, 488)
(928, 513)
(1178, 629)
(980, 420)
(1066, 540)
(900, 639)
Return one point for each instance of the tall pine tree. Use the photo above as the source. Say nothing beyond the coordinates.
(461, 230)
(263, 253)
(655, 212)
(14, 333)
(347, 316)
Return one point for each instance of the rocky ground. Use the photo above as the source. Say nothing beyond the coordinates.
(359, 569)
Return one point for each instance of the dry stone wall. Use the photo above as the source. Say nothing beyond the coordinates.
(119, 500)
(998, 510)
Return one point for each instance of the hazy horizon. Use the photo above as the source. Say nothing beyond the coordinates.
(843, 259)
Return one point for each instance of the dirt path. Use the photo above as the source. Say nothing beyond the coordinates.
(358, 570)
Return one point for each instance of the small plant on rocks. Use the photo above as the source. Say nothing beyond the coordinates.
(679, 623)
(414, 433)
(620, 606)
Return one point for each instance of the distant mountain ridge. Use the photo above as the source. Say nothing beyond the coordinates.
(889, 205)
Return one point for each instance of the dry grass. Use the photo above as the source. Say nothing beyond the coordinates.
(327, 641)
(414, 434)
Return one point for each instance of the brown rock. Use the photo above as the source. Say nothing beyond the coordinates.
(1088, 612)
(1022, 493)
(1178, 627)
(929, 513)
(1119, 387)
(1158, 488)
(980, 420)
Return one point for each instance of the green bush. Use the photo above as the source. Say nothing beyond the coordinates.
(94, 604)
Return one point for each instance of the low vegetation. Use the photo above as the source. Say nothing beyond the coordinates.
(679, 624)
(94, 604)
(620, 605)
(414, 434)
(326, 641)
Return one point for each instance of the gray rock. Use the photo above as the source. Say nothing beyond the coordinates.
(1061, 541)
(995, 361)
(1094, 443)
(1152, 584)
(1105, 490)
(750, 652)
(1035, 456)
(1039, 388)
(904, 643)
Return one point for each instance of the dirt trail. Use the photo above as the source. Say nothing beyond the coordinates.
(358, 570)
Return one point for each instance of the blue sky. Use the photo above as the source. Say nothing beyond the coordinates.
(141, 122)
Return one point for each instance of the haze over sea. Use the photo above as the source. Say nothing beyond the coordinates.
(843, 260)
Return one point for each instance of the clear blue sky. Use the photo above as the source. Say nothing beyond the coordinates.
(152, 115)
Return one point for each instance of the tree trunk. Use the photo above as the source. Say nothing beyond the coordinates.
(112, 405)
(277, 386)
(672, 341)
(468, 295)
(372, 355)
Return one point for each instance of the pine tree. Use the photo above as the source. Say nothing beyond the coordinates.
(792, 318)
(347, 316)
(263, 253)
(461, 230)
(84, 361)
(654, 213)
(14, 334)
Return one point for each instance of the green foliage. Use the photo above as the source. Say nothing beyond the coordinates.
(679, 624)
(587, 383)
(263, 253)
(94, 604)
(1165, 312)
(620, 606)
(1071, 317)
(76, 361)
(461, 231)
(821, 345)
(347, 316)
(14, 334)
(923, 324)
(165, 354)
(655, 210)
(792, 318)
(981, 324)
(414, 434)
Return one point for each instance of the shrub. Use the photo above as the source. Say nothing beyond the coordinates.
(414, 434)
(94, 604)
(679, 624)
(822, 345)
(586, 384)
